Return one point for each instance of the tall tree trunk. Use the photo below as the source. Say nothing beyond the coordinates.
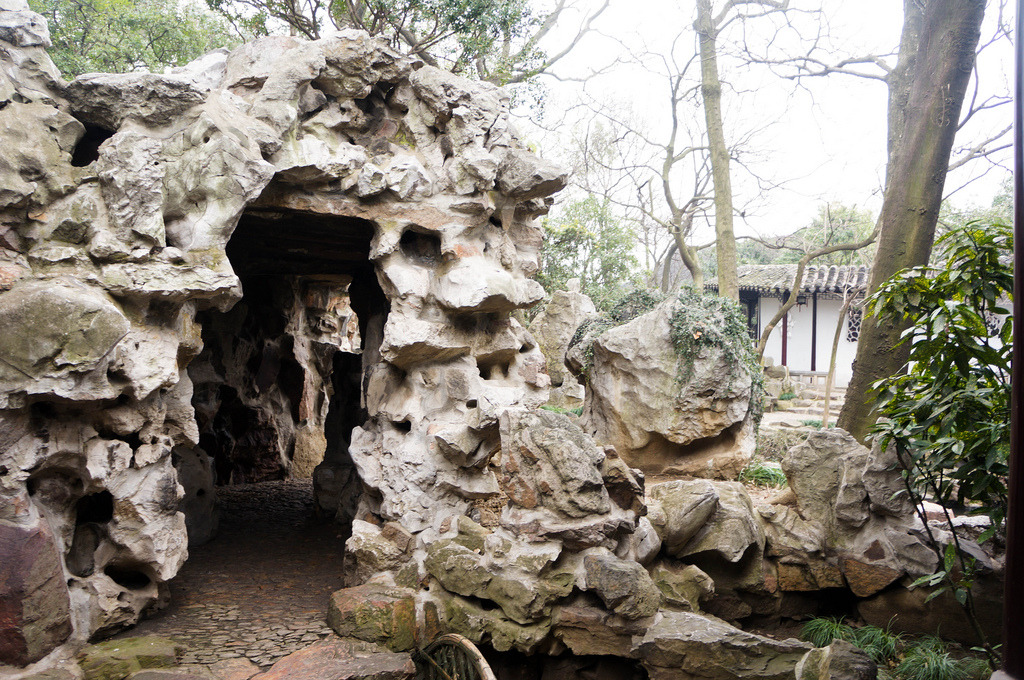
(830, 381)
(926, 93)
(711, 92)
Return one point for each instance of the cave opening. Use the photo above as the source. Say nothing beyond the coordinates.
(277, 388)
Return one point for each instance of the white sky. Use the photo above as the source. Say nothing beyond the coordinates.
(825, 142)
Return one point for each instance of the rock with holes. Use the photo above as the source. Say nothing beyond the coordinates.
(553, 328)
(293, 259)
(666, 410)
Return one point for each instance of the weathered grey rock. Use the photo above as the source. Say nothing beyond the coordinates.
(553, 328)
(460, 615)
(732, 529)
(519, 578)
(370, 551)
(685, 645)
(683, 508)
(24, 28)
(647, 542)
(683, 587)
(663, 412)
(306, 254)
(586, 629)
(552, 474)
(107, 99)
(846, 494)
(625, 587)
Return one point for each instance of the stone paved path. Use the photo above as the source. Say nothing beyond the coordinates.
(260, 589)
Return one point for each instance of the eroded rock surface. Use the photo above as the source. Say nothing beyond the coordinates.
(553, 329)
(686, 414)
(293, 259)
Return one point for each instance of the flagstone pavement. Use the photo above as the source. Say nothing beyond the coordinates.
(259, 590)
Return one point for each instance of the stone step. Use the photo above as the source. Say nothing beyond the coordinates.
(342, 659)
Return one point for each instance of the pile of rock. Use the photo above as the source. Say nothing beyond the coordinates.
(365, 182)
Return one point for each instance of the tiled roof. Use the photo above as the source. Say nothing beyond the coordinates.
(778, 278)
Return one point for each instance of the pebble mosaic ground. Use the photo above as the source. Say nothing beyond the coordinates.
(259, 589)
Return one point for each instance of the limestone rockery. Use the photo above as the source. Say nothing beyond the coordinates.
(296, 258)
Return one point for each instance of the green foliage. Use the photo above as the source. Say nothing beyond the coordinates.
(115, 36)
(1000, 211)
(948, 414)
(821, 631)
(634, 303)
(930, 660)
(589, 242)
(787, 396)
(701, 321)
(762, 473)
(488, 39)
(881, 644)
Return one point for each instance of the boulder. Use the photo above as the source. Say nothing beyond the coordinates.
(849, 499)
(343, 659)
(683, 507)
(35, 610)
(118, 659)
(375, 613)
(553, 328)
(552, 474)
(663, 412)
(685, 645)
(107, 99)
(463, 616)
(624, 586)
(517, 577)
(587, 629)
(731, 530)
(683, 586)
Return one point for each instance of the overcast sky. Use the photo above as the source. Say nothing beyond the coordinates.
(824, 141)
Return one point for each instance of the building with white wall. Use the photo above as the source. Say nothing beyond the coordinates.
(802, 340)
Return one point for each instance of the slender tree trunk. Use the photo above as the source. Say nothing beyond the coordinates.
(711, 92)
(689, 256)
(830, 381)
(926, 93)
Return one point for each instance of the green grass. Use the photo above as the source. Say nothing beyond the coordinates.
(762, 473)
(928, 659)
(787, 396)
(822, 631)
(925, 658)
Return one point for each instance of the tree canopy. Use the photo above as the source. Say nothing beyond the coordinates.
(590, 243)
(115, 36)
(493, 40)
